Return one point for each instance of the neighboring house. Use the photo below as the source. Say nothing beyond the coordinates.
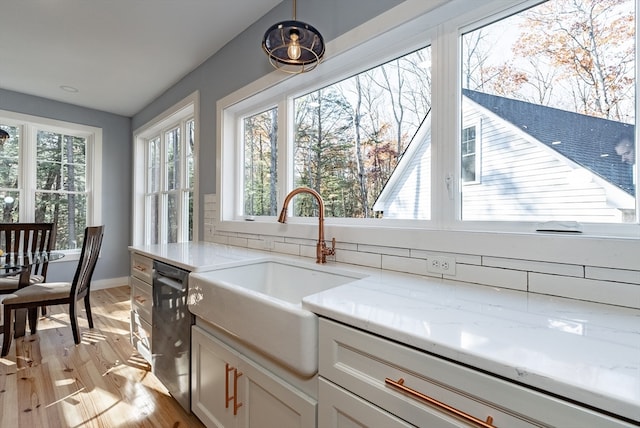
(521, 162)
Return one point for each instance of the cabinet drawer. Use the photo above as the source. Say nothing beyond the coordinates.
(361, 362)
(141, 298)
(142, 267)
(141, 336)
(339, 408)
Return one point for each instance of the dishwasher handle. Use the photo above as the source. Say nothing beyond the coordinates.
(166, 281)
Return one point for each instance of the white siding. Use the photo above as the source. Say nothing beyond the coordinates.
(522, 179)
(519, 179)
(409, 196)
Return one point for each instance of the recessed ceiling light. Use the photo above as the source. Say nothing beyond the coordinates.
(68, 88)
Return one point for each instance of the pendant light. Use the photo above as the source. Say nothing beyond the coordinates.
(4, 136)
(293, 46)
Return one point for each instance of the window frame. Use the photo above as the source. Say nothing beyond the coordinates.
(177, 116)
(398, 31)
(29, 126)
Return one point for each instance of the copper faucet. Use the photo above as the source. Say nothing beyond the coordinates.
(322, 251)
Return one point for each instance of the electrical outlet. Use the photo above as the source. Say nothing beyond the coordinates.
(269, 244)
(442, 264)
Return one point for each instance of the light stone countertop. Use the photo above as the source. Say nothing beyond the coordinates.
(198, 256)
(583, 351)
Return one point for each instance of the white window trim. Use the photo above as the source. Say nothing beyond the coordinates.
(175, 115)
(411, 24)
(29, 127)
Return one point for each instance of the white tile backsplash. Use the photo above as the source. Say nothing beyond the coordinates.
(391, 251)
(288, 248)
(404, 264)
(497, 277)
(583, 282)
(621, 275)
(361, 259)
(531, 266)
(614, 293)
(238, 241)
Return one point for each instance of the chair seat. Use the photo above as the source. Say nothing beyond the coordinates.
(46, 293)
(38, 293)
(11, 282)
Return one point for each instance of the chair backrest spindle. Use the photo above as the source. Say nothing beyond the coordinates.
(24, 238)
(88, 260)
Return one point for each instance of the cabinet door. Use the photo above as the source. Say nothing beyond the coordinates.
(268, 401)
(211, 383)
(230, 390)
(338, 408)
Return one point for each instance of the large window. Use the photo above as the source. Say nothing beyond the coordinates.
(165, 181)
(487, 116)
(49, 172)
(555, 88)
(348, 139)
(169, 190)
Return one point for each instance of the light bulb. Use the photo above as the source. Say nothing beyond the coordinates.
(294, 50)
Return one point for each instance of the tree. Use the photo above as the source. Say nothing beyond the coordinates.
(577, 55)
(323, 141)
(260, 155)
(348, 137)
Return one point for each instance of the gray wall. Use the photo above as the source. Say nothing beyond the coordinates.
(239, 63)
(116, 178)
(242, 61)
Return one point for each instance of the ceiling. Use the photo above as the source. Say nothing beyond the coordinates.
(118, 54)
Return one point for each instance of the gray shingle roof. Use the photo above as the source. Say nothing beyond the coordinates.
(589, 141)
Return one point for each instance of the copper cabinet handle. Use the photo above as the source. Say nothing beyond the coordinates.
(234, 397)
(141, 268)
(228, 368)
(420, 396)
(236, 405)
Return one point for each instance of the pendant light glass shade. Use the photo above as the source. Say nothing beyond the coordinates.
(293, 46)
(4, 136)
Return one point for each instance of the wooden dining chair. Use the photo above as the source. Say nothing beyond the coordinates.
(24, 238)
(57, 293)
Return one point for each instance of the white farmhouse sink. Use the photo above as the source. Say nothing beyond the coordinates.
(261, 304)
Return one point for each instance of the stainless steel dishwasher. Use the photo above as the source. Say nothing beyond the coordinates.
(171, 331)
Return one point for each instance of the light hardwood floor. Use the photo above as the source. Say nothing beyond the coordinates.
(48, 381)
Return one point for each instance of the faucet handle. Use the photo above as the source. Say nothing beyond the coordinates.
(329, 251)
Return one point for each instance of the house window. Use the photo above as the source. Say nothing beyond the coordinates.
(169, 193)
(491, 134)
(554, 86)
(346, 142)
(51, 173)
(469, 155)
(261, 163)
(10, 177)
(165, 187)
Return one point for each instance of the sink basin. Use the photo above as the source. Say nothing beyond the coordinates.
(261, 304)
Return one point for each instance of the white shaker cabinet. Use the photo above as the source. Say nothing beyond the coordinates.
(339, 408)
(230, 390)
(384, 378)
